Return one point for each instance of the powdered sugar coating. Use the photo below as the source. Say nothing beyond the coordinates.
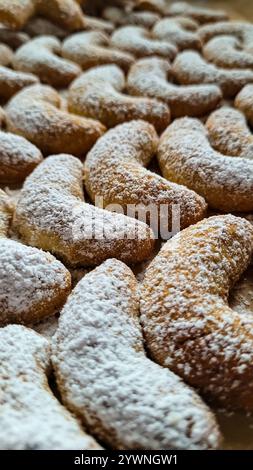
(121, 17)
(104, 376)
(152, 77)
(36, 114)
(51, 214)
(140, 42)
(226, 51)
(12, 82)
(98, 94)
(243, 31)
(18, 157)
(39, 56)
(200, 14)
(31, 417)
(180, 31)
(92, 48)
(244, 102)
(190, 68)
(187, 322)
(115, 169)
(6, 54)
(186, 157)
(229, 133)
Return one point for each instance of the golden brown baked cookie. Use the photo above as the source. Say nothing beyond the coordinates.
(190, 68)
(51, 214)
(126, 400)
(36, 114)
(186, 157)
(98, 94)
(13, 39)
(32, 418)
(18, 158)
(33, 283)
(180, 31)
(39, 56)
(241, 30)
(152, 77)
(6, 55)
(140, 42)
(200, 14)
(244, 102)
(67, 13)
(226, 51)
(229, 133)
(92, 48)
(188, 325)
(115, 169)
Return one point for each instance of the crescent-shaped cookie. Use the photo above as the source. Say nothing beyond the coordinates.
(31, 416)
(36, 114)
(115, 169)
(186, 157)
(180, 31)
(244, 102)
(51, 214)
(105, 377)
(121, 17)
(98, 94)
(188, 325)
(152, 76)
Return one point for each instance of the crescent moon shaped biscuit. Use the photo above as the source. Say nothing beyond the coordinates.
(31, 417)
(241, 30)
(190, 68)
(105, 377)
(244, 102)
(98, 94)
(200, 14)
(229, 133)
(35, 114)
(51, 214)
(39, 56)
(187, 322)
(115, 169)
(226, 51)
(186, 157)
(152, 77)
(33, 284)
(18, 158)
(13, 39)
(140, 42)
(92, 48)
(180, 31)
(11, 82)
(6, 55)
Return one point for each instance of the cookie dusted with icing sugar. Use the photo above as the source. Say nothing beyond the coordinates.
(33, 284)
(186, 157)
(98, 94)
(115, 169)
(180, 31)
(121, 17)
(105, 377)
(35, 113)
(92, 48)
(188, 325)
(31, 417)
(244, 102)
(41, 57)
(152, 77)
(190, 68)
(140, 42)
(51, 214)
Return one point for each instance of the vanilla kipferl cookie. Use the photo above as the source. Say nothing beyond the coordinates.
(33, 283)
(11, 82)
(225, 51)
(51, 214)
(140, 42)
(31, 416)
(18, 158)
(190, 68)
(152, 76)
(36, 114)
(180, 31)
(104, 376)
(92, 48)
(241, 30)
(6, 55)
(201, 14)
(39, 56)
(186, 157)
(229, 133)
(188, 325)
(98, 94)
(244, 102)
(13, 39)
(115, 169)
(121, 17)
(67, 13)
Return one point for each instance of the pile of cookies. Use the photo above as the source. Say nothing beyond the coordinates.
(146, 105)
